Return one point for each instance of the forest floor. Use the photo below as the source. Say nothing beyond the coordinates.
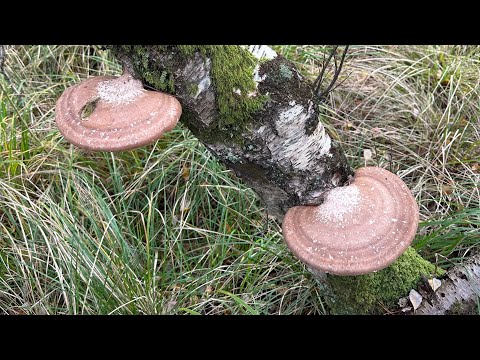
(166, 229)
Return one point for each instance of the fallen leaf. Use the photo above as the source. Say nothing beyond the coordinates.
(434, 283)
(363, 75)
(185, 173)
(447, 189)
(367, 154)
(16, 312)
(415, 299)
(348, 125)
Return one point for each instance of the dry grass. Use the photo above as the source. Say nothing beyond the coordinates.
(166, 229)
(416, 108)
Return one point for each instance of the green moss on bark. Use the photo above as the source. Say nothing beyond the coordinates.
(140, 58)
(373, 293)
(232, 69)
(232, 75)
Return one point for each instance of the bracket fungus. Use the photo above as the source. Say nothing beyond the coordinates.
(360, 228)
(107, 113)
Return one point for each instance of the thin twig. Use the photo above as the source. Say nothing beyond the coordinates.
(341, 82)
(319, 80)
(338, 69)
(320, 94)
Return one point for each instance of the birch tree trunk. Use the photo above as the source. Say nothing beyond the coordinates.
(254, 111)
(258, 115)
(459, 293)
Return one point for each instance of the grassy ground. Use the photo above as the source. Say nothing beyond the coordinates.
(167, 230)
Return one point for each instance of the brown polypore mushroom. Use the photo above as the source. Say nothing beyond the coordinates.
(114, 113)
(360, 228)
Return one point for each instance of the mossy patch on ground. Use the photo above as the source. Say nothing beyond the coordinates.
(375, 292)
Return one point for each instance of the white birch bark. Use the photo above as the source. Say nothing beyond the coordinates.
(459, 292)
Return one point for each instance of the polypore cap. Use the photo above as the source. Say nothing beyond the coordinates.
(114, 113)
(360, 228)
